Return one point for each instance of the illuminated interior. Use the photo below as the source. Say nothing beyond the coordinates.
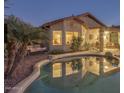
(111, 39)
(114, 37)
(57, 38)
(57, 70)
(69, 36)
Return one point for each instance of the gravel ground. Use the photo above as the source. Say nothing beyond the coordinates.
(23, 70)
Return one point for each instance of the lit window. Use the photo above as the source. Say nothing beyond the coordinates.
(57, 37)
(76, 34)
(57, 70)
(69, 36)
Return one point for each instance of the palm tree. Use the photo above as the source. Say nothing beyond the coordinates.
(20, 34)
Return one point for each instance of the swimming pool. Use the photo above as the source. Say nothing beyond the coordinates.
(86, 74)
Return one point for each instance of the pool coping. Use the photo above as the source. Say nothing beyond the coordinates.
(23, 85)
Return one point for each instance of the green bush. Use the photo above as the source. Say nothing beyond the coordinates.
(76, 43)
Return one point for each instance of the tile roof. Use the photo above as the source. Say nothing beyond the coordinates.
(82, 18)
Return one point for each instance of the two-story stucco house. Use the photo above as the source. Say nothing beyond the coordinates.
(89, 28)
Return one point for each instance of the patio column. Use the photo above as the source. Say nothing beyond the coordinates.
(64, 35)
(63, 40)
(101, 33)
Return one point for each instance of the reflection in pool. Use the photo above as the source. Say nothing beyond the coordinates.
(78, 75)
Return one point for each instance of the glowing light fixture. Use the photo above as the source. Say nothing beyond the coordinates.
(106, 67)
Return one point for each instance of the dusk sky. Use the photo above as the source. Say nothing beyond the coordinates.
(38, 12)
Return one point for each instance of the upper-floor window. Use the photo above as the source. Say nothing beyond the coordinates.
(57, 37)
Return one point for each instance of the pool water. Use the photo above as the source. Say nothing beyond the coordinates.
(78, 75)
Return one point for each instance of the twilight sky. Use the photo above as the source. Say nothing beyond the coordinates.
(38, 12)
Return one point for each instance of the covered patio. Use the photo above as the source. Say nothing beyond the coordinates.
(111, 40)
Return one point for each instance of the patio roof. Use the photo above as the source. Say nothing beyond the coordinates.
(113, 29)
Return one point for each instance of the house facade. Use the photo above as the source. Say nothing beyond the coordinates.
(95, 34)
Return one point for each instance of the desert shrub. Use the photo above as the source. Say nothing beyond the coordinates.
(109, 58)
(76, 43)
(108, 55)
(86, 46)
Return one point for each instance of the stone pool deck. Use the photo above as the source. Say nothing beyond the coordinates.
(21, 86)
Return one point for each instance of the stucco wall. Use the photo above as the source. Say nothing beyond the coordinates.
(89, 21)
(56, 27)
(72, 25)
(69, 25)
(85, 34)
